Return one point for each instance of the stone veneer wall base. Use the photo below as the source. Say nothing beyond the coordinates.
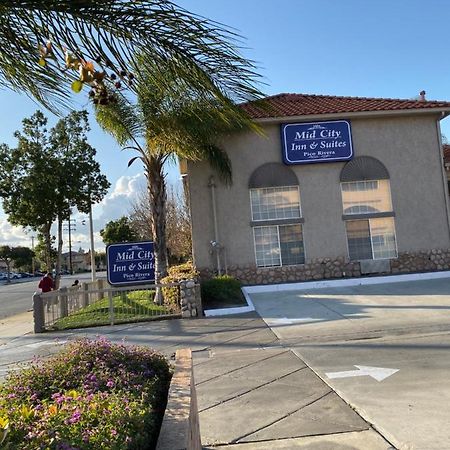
(336, 268)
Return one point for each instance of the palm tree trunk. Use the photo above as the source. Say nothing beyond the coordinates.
(157, 193)
(48, 246)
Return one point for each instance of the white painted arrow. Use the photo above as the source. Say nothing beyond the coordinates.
(288, 321)
(378, 373)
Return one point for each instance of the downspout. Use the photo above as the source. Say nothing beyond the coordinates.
(215, 244)
(444, 176)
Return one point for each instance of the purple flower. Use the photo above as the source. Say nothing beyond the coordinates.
(76, 416)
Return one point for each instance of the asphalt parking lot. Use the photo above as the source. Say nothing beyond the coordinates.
(385, 349)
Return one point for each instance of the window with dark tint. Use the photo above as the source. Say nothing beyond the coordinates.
(359, 242)
(291, 244)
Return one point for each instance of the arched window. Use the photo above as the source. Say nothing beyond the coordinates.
(367, 208)
(276, 216)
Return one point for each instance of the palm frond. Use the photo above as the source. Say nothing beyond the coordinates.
(217, 159)
(121, 120)
(113, 32)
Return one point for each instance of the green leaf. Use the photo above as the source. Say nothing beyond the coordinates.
(77, 85)
(132, 160)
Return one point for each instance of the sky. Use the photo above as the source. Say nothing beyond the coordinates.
(365, 48)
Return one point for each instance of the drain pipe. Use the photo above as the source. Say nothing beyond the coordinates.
(215, 244)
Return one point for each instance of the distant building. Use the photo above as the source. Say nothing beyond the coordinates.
(336, 187)
(79, 261)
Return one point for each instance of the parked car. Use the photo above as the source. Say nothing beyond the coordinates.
(25, 274)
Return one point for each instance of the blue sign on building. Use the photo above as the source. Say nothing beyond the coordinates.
(130, 263)
(304, 143)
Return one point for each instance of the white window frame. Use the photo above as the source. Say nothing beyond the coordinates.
(365, 190)
(275, 187)
(279, 248)
(279, 245)
(370, 219)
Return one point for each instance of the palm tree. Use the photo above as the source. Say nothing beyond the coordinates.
(169, 120)
(37, 36)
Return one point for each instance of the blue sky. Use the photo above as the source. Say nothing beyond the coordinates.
(382, 48)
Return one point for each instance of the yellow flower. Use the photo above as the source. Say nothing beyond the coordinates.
(93, 406)
(72, 393)
(26, 412)
(4, 422)
(52, 410)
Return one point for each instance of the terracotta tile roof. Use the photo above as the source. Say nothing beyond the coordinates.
(286, 105)
(446, 149)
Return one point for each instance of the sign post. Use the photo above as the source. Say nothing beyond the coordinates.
(305, 143)
(130, 263)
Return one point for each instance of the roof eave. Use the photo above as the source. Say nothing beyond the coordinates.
(442, 111)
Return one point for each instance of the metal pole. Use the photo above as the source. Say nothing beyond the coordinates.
(70, 246)
(32, 258)
(212, 185)
(91, 233)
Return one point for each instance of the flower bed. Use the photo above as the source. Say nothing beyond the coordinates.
(93, 395)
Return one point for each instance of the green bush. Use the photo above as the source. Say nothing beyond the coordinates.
(176, 274)
(222, 289)
(92, 395)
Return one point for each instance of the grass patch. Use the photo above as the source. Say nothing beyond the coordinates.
(127, 306)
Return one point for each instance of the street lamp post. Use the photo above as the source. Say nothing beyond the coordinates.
(91, 234)
(92, 246)
(32, 258)
(71, 226)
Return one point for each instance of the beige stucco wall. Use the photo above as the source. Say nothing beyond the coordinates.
(409, 148)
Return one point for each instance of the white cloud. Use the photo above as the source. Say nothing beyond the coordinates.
(13, 236)
(118, 202)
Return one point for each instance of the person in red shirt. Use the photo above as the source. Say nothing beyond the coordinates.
(46, 284)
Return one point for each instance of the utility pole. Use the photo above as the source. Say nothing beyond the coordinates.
(91, 234)
(71, 226)
(32, 258)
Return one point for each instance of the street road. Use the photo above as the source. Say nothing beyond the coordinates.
(16, 297)
(385, 349)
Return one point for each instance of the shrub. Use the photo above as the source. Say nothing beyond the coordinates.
(92, 395)
(223, 289)
(176, 274)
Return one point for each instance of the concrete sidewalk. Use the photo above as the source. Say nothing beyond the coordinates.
(252, 392)
(15, 327)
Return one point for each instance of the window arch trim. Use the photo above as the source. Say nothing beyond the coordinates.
(272, 175)
(364, 168)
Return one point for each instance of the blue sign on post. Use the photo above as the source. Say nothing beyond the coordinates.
(130, 263)
(304, 143)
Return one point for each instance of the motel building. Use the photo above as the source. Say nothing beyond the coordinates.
(335, 187)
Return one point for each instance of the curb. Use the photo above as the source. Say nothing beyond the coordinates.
(180, 429)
